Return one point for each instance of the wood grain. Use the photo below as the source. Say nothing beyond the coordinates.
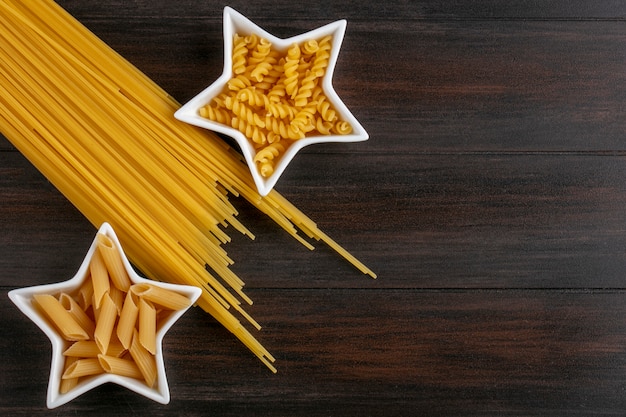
(489, 199)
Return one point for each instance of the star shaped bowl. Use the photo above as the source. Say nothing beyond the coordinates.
(236, 23)
(23, 299)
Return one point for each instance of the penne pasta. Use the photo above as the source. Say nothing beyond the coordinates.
(144, 360)
(147, 325)
(115, 347)
(99, 278)
(113, 261)
(83, 367)
(123, 344)
(60, 317)
(85, 294)
(160, 296)
(117, 296)
(77, 313)
(119, 366)
(68, 384)
(83, 349)
(128, 319)
(105, 324)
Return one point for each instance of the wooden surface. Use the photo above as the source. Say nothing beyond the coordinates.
(490, 199)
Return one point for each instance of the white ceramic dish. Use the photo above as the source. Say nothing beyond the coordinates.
(235, 22)
(23, 300)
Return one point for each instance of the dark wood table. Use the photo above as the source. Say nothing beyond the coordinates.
(490, 199)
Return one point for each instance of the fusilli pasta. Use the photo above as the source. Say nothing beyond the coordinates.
(275, 98)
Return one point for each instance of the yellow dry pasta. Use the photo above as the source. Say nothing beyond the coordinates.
(119, 366)
(147, 325)
(117, 296)
(84, 296)
(240, 51)
(265, 157)
(127, 320)
(124, 345)
(83, 367)
(82, 349)
(322, 56)
(145, 360)
(90, 349)
(60, 317)
(291, 68)
(105, 323)
(104, 134)
(78, 313)
(276, 97)
(113, 262)
(310, 47)
(160, 296)
(68, 384)
(99, 278)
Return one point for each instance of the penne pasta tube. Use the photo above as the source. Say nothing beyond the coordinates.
(95, 310)
(119, 366)
(78, 313)
(105, 323)
(117, 296)
(85, 294)
(147, 325)
(83, 367)
(83, 349)
(115, 347)
(144, 360)
(128, 319)
(68, 384)
(113, 261)
(99, 278)
(60, 317)
(160, 296)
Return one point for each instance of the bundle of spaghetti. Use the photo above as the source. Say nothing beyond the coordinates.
(104, 134)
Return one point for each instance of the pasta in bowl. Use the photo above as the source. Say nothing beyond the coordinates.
(275, 96)
(106, 324)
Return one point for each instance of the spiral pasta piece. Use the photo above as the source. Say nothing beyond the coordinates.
(310, 47)
(269, 153)
(280, 110)
(218, 101)
(303, 120)
(342, 128)
(323, 127)
(249, 130)
(260, 49)
(252, 96)
(291, 70)
(273, 137)
(240, 52)
(244, 112)
(260, 60)
(284, 130)
(220, 115)
(266, 157)
(239, 82)
(270, 77)
(322, 56)
(325, 109)
(252, 40)
(306, 89)
(262, 69)
(278, 92)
